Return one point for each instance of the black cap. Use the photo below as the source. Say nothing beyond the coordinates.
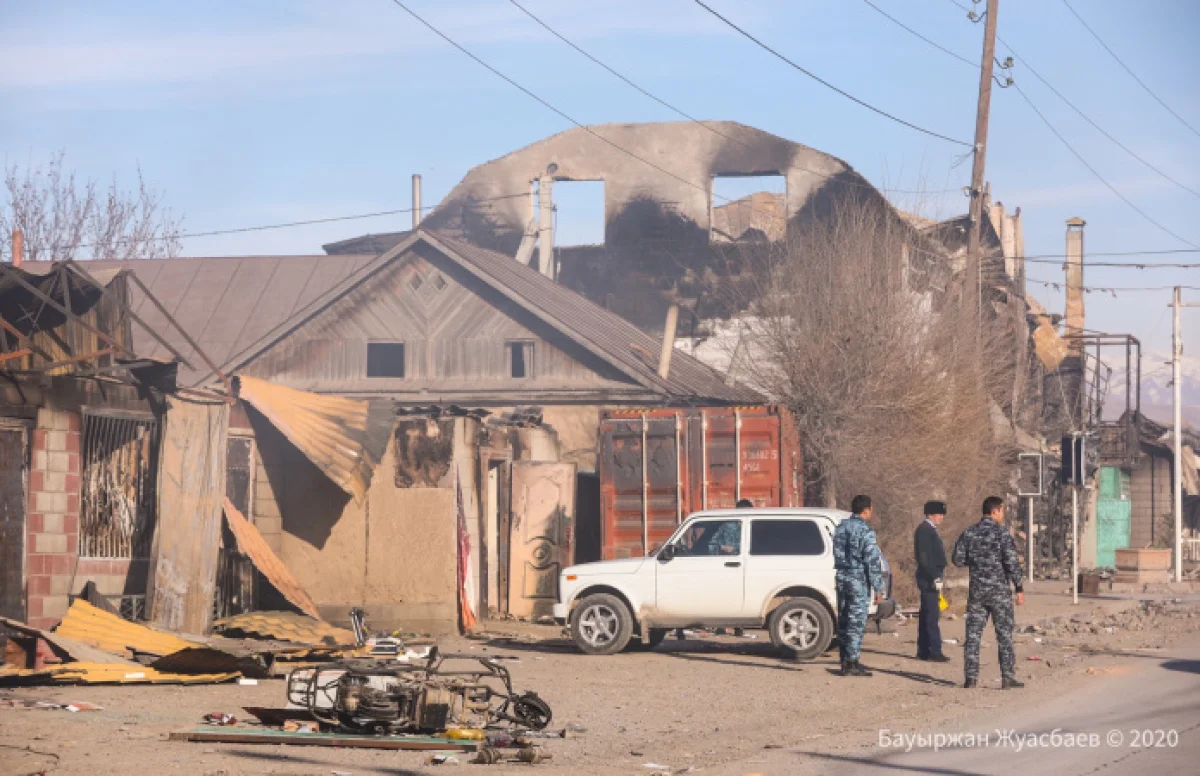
(935, 507)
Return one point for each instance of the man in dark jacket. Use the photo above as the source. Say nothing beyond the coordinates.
(931, 563)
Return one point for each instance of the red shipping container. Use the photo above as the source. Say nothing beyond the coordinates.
(697, 458)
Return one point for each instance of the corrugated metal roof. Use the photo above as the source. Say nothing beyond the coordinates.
(87, 624)
(345, 438)
(224, 303)
(251, 542)
(103, 673)
(284, 626)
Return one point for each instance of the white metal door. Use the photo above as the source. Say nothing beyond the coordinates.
(704, 581)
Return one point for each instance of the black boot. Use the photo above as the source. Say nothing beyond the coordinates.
(858, 669)
(1011, 683)
(970, 684)
(845, 668)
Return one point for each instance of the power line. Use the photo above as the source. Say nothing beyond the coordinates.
(1033, 71)
(688, 116)
(1112, 264)
(1093, 170)
(1127, 69)
(260, 228)
(1060, 286)
(935, 44)
(827, 84)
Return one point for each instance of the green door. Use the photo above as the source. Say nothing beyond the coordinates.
(1114, 515)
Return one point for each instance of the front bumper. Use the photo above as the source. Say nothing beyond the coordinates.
(560, 613)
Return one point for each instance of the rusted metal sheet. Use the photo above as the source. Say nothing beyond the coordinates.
(283, 626)
(345, 438)
(191, 490)
(695, 458)
(541, 538)
(97, 628)
(103, 673)
(12, 523)
(251, 542)
(64, 647)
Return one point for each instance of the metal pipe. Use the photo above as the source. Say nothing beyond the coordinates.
(678, 469)
(737, 455)
(704, 459)
(668, 342)
(416, 200)
(1177, 474)
(1075, 544)
(645, 488)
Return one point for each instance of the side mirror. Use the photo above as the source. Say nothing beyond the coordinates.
(667, 553)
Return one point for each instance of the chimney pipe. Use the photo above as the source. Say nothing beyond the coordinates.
(18, 247)
(1074, 270)
(668, 343)
(416, 201)
(546, 223)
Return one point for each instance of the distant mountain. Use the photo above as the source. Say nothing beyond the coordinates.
(1157, 391)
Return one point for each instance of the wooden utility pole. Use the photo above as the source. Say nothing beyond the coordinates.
(974, 258)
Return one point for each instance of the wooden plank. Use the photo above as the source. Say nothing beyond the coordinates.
(215, 735)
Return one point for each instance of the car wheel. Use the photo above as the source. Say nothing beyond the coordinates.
(601, 624)
(644, 643)
(802, 628)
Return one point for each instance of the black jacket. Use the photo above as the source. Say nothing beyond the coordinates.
(931, 555)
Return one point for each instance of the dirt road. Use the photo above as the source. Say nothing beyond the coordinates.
(721, 705)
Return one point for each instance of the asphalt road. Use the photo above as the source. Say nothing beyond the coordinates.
(1142, 716)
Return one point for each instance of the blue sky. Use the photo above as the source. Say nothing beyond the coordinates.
(256, 112)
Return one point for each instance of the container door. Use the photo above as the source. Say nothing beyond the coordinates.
(540, 542)
(12, 523)
(1114, 516)
(644, 496)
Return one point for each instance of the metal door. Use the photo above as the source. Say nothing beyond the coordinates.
(541, 535)
(1114, 516)
(12, 523)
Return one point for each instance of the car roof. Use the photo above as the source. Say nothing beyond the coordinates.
(836, 515)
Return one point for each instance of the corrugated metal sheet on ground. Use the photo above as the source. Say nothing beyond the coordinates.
(66, 648)
(345, 438)
(87, 624)
(284, 626)
(251, 542)
(103, 673)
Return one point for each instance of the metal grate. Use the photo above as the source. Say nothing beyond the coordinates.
(117, 507)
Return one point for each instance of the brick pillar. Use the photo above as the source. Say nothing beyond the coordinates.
(53, 522)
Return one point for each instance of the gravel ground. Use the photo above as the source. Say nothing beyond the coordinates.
(711, 703)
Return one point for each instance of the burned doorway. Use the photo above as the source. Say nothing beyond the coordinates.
(495, 467)
(12, 522)
(237, 581)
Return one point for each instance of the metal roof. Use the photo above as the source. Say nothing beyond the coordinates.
(224, 303)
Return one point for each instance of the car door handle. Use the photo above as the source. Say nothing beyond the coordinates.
(732, 564)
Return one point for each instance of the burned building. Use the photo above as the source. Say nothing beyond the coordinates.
(469, 388)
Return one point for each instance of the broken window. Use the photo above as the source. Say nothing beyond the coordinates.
(117, 504)
(385, 359)
(578, 212)
(520, 359)
(748, 208)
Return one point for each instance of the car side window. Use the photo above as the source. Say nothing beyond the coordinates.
(710, 537)
(786, 537)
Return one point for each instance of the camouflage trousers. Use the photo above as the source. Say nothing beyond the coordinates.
(854, 600)
(999, 606)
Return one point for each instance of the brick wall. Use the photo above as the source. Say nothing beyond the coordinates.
(53, 523)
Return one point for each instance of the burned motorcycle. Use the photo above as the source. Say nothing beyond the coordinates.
(445, 690)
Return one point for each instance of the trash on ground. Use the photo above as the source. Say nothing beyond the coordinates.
(220, 718)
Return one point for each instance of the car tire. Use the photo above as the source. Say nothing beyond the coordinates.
(643, 644)
(601, 625)
(801, 628)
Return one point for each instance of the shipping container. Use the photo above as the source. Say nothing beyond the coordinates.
(695, 458)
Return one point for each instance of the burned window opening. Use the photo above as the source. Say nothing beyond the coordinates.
(748, 208)
(424, 448)
(385, 359)
(520, 359)
(579, 217)
(117, 504)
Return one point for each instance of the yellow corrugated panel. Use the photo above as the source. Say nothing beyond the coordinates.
(104, 673)
(251, 542)
(285, 626)
(110, 633)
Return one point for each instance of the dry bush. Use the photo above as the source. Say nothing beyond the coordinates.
(889, 381)
(65, 219)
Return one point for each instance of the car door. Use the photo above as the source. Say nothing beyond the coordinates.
(785, 552)
(703, 579)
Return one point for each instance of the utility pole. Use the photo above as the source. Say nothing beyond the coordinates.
(416, 201)
(974, 259)
(546, 225)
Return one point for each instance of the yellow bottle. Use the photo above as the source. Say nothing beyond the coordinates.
(943, 604)
(465, 734)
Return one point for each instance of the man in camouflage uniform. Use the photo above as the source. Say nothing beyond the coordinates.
(987, 549)
(859, 569)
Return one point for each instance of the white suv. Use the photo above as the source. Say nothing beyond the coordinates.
(721, 568)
